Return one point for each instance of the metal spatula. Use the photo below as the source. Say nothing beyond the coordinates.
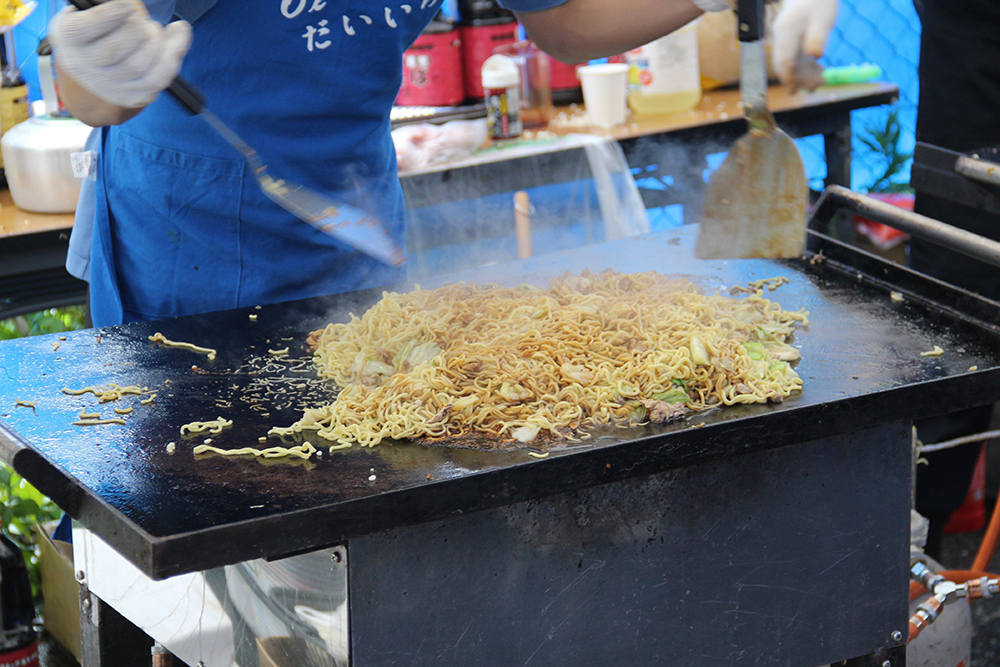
(345, 223)
(755, 204)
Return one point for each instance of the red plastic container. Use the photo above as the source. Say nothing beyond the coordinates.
(26, 656)
(565, 83)
(971, 516)
(478, 41)
(432, 68)
(883, 236)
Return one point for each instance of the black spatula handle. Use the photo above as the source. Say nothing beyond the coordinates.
(750, 19)
(183, 91)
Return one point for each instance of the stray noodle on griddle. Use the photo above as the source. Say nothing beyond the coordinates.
(606, 348)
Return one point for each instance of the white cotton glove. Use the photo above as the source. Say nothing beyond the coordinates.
(801, 28)
(715, 5)
(117, 52)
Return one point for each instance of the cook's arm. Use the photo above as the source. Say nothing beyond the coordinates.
(89, 108)
(114, 59)
(580, 30)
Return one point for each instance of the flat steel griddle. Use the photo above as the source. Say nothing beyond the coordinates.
(169, 514)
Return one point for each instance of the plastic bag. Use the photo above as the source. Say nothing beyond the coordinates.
(425, 145)
(461, 213)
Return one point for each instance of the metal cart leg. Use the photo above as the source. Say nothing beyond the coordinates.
(108, 638)
(837, 145)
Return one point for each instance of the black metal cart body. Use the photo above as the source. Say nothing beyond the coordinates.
(773, 534)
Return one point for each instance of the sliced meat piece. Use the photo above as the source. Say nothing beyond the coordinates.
(661, 412)
(441, 415)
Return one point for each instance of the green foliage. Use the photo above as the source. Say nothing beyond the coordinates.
(882, 142)
(23, 508)
(23, 505)
(54, 320)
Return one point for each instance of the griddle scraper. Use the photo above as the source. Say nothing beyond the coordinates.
(755, 204)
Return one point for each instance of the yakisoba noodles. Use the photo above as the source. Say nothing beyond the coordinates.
(594, 349)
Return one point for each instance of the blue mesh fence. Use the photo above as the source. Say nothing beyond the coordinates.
(886, 33)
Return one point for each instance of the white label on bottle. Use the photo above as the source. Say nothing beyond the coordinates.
(503, 113)
(668, 65)
(84, 164)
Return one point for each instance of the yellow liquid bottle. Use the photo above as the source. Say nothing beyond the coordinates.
(14, 104)
(664, 76)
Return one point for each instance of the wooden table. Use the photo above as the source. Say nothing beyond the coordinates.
(15, 222)
(32, 261)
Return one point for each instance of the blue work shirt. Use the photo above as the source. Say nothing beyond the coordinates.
(180, 225)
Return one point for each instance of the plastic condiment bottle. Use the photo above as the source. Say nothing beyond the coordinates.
(14, 104)
(663, 75)
(501, 85)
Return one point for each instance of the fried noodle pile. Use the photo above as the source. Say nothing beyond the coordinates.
(606, 348)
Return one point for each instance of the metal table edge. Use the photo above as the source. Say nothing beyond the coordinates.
(305, 530)
(66, 492)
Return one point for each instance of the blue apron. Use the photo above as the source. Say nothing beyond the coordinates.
(181, 226)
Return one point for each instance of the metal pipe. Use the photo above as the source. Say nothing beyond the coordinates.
(943, 591)
(924, 575)
(836, 198)
(983, 171)
(964, 440)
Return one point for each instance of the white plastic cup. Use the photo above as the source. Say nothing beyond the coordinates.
(604, 93)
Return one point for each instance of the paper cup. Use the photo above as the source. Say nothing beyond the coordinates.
(604, 88)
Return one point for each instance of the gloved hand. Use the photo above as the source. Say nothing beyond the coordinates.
(715, 5)
(800, 29)
(118, 52)
(721, 5)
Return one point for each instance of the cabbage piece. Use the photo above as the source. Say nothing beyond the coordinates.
(376, 371)
(746, 313)
(637, 413)
(784, 368)
(465, 403)
(576, 373)
(699, 353)
(626, 390)
(782, 351)
(415, 352)
(359, 362)
(423, 352)
(755, 351)
(514, 392)
(675, 395)
(402, 355)
(759, 369)
(525, 433)
(771, 332)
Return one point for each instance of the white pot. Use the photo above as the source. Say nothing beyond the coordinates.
(36, 157)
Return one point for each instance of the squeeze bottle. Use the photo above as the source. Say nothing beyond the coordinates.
(664, 75)
(501, 84)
